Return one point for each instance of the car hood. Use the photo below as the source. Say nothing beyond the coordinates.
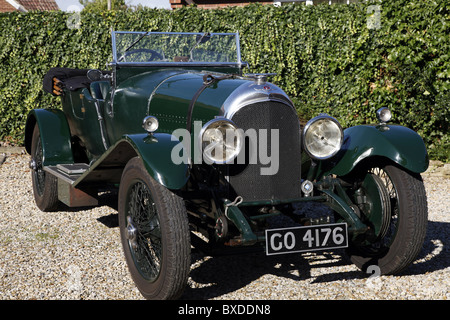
(176, 97)
(184, 96)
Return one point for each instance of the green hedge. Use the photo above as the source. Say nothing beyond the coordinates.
(328, 58)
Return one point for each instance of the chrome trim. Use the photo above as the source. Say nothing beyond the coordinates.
(181, 64)
(33, 165)
(238, 49)
(259, 78)
(308, 124)
(131, 233)
(385, 113)
(154, 122)
(307, 187)
(202, 131)
(251, 92)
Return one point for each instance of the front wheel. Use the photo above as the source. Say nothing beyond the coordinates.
(392, 201)
(154, 231)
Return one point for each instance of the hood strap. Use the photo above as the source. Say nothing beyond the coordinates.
(208, 79)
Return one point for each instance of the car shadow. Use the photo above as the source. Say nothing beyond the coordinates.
(212, 277)
(107, 197)
(434, 255)
(216, 276)
(110, 221)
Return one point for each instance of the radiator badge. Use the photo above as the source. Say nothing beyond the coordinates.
(262, 88)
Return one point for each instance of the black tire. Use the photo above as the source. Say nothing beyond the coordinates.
(403, 238)
(154, 231)
(45, 186)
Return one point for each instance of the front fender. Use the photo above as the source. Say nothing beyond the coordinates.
(397, 143)
(55, 135)
(156, 152)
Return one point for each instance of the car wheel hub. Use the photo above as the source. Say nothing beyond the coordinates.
(33, 165)
(131, 234)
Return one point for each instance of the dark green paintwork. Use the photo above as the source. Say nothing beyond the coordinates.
(131, 100)
(165, 94)
(55, 135)
(172, 99)
(139, 91)
(155, 151)
(124, 73)
(399, 144)
(84, 122)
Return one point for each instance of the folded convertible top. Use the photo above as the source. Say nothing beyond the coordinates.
(71, 79)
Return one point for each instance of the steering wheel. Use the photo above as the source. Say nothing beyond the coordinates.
(153, 54)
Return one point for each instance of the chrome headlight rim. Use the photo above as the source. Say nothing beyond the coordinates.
(150, 124)
(384, 115)
(308, 127)
(210, 125)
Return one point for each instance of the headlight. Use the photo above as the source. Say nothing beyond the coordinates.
(322, 137)
(150, 124)
(221, 141)
(384, 115)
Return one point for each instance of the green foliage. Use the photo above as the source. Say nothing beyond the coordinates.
(329, 59)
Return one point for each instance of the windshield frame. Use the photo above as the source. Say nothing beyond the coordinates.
(236, 64)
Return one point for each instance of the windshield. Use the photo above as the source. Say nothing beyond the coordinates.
(170, 47)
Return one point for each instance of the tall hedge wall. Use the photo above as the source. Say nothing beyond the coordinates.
(346, 60)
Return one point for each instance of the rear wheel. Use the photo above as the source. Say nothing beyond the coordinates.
(393, 203)
(154, 231)
(45, 186)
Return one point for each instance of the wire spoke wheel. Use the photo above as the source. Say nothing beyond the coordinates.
(393, 204)
(154, 231)
(390, 218)
(144, 233)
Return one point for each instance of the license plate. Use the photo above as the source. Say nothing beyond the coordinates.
(307, 238)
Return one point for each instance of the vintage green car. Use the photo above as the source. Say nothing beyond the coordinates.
(202, 154)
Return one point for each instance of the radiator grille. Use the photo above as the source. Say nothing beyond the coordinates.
(246, 179)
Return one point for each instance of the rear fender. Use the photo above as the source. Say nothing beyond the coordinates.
(156, 152)
(55, 135)
(397, 143)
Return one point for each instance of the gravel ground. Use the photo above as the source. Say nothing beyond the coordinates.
(76, 254)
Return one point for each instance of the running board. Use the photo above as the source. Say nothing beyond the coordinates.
(67, 174)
